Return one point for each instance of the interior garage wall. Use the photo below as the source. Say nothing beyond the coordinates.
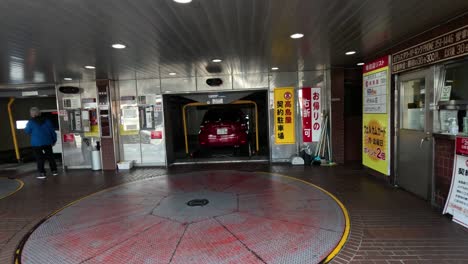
(252, 81)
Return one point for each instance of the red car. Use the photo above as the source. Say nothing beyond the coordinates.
(224, 128)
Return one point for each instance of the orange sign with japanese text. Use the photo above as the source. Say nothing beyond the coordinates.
(285, 132)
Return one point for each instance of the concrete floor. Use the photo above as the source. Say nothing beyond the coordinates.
(388, 225)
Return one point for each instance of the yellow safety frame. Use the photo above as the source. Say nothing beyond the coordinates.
(257, 147)
(13, 129)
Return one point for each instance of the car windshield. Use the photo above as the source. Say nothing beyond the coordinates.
(222, 115)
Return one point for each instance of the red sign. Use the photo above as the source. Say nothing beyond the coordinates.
(156, 134)
(461, 147)
(68, 138)
(375, 65)
(306, 115)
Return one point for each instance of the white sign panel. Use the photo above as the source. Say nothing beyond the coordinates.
(30, 93)
(457, 201)
(375, 93)
(445, 94)
(316, 107)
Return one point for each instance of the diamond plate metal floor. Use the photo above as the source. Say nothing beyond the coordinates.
(8, 187)
(198, 217)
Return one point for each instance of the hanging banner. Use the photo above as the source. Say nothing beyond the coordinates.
(316, 114)
(311, 114)
(376, 116)
(285, 132)
(457, 200)
(306, 115)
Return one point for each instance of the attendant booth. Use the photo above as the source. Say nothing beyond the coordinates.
(431, 103)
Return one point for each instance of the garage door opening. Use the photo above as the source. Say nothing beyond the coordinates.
(222, 127)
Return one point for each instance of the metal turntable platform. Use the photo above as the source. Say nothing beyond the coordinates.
(200, 217)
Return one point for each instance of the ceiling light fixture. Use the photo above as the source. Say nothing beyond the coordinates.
(118, 46)
(183, 1)
(216, 60)
(274, 68)
(68, 79)
(90, 67)
(297, 36)
(351, 52)
(360, 64)
(172, 73)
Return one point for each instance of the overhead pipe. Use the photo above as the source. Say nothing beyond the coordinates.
(13, 130)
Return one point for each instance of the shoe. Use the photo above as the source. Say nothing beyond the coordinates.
(54, 173)
(41, 176)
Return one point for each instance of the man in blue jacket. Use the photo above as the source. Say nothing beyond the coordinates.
(43, 137)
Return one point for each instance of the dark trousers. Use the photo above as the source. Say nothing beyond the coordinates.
(43, 153)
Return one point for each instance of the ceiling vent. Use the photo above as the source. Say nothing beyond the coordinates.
(214, 82)
(69, 89)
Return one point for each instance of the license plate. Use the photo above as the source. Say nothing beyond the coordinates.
(221, 131)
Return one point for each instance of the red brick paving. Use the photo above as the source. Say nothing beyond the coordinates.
(388, 225)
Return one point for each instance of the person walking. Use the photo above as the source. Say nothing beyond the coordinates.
(43, 137)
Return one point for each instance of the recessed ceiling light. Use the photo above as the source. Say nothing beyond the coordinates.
(118, 46)
(183, 1)
(90, 67)
(172, 73)
(297, 35)
(274, 68)
(351, 52)
(360, 64)
(216, 60)
(68, 79)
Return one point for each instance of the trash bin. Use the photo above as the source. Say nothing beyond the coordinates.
(96, 160)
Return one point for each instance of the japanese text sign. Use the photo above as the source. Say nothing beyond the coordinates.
(285, 132)
(311, 114)
(461, 147)
(448, 46)
(376, 117)
(457, 201)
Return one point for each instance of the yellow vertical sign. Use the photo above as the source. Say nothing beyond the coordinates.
(376, 116)
(285, 132)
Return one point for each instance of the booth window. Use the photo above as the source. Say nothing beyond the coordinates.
(412, 104)
(456, 77)
(451, 94)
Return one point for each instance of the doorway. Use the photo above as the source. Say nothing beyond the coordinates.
(217, 127)
(414, 137)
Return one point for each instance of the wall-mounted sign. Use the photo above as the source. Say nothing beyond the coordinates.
(445, 94)
(311, 114)
(457, 201)
(375, 82)
(68, 138)
(376, 117)
(89, 102)
(448, 46)
(285, 132)
(71, 103)
(156, 135)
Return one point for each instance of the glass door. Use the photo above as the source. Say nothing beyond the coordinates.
(414, 137)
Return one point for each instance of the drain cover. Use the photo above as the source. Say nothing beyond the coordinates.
(198, 202)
